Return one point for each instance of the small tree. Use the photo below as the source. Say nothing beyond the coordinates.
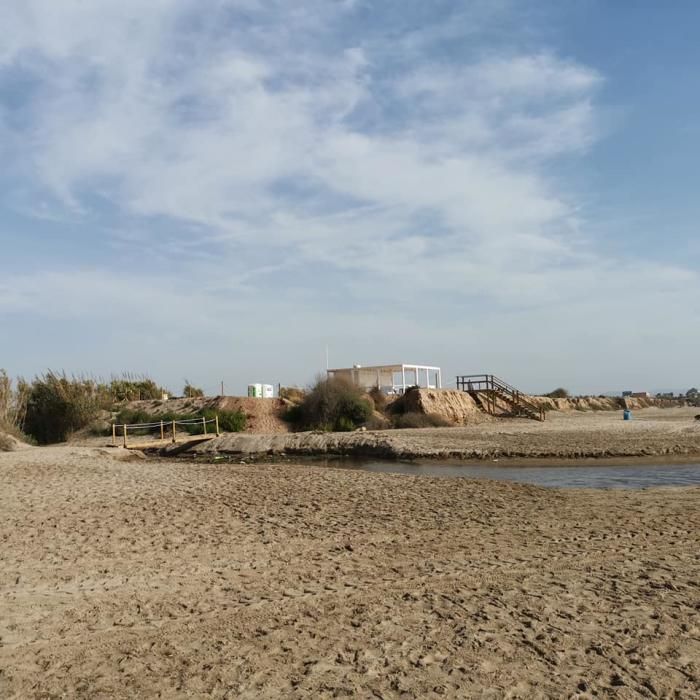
(692, 393)
(332, 404)
(130, 387)
(559, 393)
(192, 392)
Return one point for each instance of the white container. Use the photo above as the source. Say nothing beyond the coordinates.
(268, 391)
(255, 391)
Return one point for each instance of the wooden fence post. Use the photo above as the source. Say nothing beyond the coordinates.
(174, 431)
(114, 433)
(217, 425)
(204, 424)
(124, 434)
(162, 431)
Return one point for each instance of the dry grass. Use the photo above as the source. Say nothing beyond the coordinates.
(6, 443)
(421, 420)
(13, 409)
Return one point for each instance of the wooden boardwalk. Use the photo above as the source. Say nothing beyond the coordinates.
(488, 390)
(155, 444)
(164, 427)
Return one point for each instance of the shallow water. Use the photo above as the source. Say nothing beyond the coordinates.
(583, 476)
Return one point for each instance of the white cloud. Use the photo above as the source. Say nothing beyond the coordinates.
(265, 132)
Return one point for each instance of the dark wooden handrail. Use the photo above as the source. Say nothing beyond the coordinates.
(492, 384)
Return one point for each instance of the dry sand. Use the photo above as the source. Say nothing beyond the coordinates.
(653, 431)
(173, 579)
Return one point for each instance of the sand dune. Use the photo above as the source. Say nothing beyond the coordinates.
(131, 578)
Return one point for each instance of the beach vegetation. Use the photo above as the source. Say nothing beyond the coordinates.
(292, 394)
(192, 392)
(59, 405)
(415, 419)
(229, 421)
(13, 409)
(331, 404)
(131, 387)
(559, 393)
(379, 398)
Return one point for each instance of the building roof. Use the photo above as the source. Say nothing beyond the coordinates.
(396, 368)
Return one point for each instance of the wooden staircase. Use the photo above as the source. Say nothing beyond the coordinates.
(488, 391)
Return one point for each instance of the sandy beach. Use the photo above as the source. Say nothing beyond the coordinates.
(123, 577)
(668, 432)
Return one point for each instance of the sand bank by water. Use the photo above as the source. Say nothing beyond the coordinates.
(600, 435)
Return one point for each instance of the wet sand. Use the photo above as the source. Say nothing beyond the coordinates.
(175, 579)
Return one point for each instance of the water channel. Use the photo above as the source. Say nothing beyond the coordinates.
(630, 476)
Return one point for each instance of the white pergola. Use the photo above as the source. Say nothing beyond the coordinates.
(391, 379)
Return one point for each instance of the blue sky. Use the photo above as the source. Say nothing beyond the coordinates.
(215, 194)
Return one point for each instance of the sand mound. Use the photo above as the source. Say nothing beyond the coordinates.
(462, 408)
(600, 403)
(262, 415)
(9, 443)
(456, 406)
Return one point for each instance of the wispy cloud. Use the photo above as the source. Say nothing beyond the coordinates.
(285, 138)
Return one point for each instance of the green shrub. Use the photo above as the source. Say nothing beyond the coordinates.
(559, 393)
(421, 420)
(134, 415)
(293, 415)
(192, 392)
(134, 388)
(379, 399)
(229, 421)
(58, 405)
(332, 404)
(344, 424)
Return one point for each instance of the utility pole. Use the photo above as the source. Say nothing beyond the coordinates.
(222, 387)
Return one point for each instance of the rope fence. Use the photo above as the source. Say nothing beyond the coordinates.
(169, 427)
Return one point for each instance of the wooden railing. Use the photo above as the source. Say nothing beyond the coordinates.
(165, 427)
(495, 388)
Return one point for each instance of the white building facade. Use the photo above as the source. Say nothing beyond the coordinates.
(390, 379)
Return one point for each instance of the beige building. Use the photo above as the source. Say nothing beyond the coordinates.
(390, 379)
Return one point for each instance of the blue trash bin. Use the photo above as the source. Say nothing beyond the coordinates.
(627, 415)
